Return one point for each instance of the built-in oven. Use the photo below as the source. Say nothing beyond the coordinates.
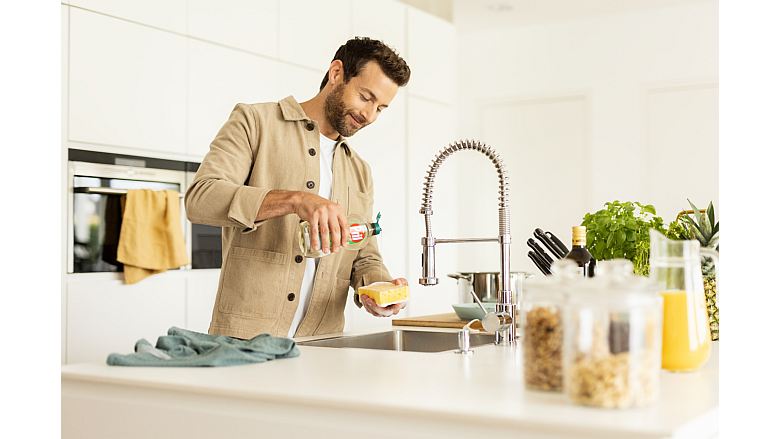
(96, 183)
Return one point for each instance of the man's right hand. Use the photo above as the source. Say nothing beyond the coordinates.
(325, 216)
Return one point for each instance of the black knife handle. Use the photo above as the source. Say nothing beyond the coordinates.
(539, 251)
(557, 242)
(539, 234)
(539, 264)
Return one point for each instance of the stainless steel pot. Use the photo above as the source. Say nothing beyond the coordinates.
(487, 284)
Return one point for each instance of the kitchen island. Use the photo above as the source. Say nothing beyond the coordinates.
(365, 393)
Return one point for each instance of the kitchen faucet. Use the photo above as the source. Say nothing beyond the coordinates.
(505, 308)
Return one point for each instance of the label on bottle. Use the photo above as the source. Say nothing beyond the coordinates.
(357, 232)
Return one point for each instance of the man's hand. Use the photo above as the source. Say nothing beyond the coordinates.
(326, 217)
(383, 311)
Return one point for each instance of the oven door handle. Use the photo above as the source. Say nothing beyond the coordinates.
(104, 191)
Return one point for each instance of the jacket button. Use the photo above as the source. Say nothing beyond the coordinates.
(291, 297)
(310, 184)
(299, 259)
(310, 126)
(312, 152)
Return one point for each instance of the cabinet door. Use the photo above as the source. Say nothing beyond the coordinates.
(424, 143)
(383, 20)
(432, 60)
(201, 293)
(168, 15)
(127, 84)
(104, 315)
(219, 78)
(535, 138)
(310, 31)
(383, 146)
(251, 25)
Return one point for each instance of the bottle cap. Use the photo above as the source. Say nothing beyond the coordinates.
(375, 226)
(579, 235)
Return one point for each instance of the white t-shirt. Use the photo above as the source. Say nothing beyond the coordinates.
(327, 150)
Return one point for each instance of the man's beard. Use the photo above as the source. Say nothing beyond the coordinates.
(337, 114)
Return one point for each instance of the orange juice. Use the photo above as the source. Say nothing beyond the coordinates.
(686, 339)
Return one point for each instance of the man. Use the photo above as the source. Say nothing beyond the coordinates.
(273, 165)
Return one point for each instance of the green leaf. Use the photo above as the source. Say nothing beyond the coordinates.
(600, 249)
(711, 213)
(621, 237)
(698, 235)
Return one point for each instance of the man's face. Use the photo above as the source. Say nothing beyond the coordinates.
(351, 106)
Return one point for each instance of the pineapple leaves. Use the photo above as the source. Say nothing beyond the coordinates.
(703, 223)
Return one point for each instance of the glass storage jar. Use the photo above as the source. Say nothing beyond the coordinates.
(541, 327)
(612, 339)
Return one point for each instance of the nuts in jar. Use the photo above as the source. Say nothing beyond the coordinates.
(608, 382)
(542, 349)
(613, 358)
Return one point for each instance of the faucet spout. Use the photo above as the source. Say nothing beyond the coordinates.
(505, 302)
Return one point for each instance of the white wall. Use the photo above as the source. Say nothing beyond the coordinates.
(584, 111)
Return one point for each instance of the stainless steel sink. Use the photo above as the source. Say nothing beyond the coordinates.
(401, 340)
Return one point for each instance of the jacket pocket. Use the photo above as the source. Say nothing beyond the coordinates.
(359, 203)
(333, 320)
(251, 283)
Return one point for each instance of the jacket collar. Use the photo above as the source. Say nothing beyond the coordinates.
(292, 111)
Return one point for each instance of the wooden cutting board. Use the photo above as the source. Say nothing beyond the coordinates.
(450, 320)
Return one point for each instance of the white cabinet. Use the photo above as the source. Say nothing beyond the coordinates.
(540, 141)
(168, 14)
(382, 145)
(105, 316)
(201, 293)
(383, 20)
(219, 78)
(127, 84)
(64, 21)
(310, 31)
(432, 56)
(251, 25)
(431, 127)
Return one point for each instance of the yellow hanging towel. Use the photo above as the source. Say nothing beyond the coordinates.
(151, 239)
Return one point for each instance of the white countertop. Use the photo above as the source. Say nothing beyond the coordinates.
(484, 389)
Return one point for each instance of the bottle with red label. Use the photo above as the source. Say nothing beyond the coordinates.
(360, 231)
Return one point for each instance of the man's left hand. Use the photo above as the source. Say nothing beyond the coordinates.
(384, 311)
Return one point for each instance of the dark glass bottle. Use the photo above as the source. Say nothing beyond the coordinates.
(579, 253)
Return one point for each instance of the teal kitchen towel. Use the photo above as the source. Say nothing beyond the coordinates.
(183, 348)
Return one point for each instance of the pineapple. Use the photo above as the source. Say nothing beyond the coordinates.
(704, 228)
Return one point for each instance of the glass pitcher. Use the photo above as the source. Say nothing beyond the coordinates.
(676, 267)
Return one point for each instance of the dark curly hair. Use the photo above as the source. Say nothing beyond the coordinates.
(355, 53)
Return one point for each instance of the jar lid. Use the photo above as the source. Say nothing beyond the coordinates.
(556, 287)
(616, 284)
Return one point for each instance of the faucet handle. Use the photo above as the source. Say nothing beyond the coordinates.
(496, 321)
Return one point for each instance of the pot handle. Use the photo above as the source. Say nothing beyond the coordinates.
(459, 276)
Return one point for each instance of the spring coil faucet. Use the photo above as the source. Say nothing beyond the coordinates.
(505, 308)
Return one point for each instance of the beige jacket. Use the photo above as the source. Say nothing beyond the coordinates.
(263, 147)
